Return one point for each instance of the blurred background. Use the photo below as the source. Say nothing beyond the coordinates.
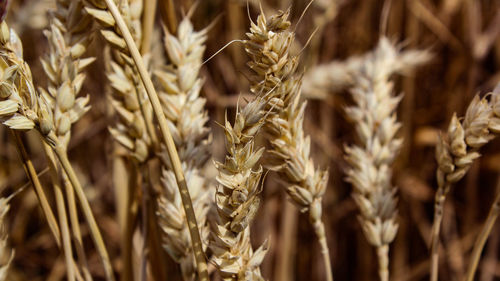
(461, 34)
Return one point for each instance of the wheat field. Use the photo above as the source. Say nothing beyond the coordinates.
(243, 140)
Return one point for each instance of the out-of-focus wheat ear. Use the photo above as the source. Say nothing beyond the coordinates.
(374, 115)
(494, 126)
(172, 151)
(455, 153)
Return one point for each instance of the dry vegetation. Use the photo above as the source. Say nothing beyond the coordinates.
(249, 140)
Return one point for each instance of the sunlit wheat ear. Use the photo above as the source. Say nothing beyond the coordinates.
(134, 128)
(276, 79)
(6, 254)
(370, 160)
(187, 117)
(20, 106)
(237, 198)
(68, 41)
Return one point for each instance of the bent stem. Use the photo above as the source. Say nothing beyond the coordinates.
(84, 204)
(483, 236)
(319, 229)
(436, 228)
(31, 172)
(169, 142)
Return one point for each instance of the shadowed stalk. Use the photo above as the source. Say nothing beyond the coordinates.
(171, 149)
(482, 238)
(168, 14)
(148, 21)
(31, 172)
(131, 208)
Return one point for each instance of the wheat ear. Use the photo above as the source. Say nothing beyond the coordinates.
(374, 116)
(68, 40)
(23, 109)
(187, 118)
(128, 42)
(268, 46)
(237, 198)
(455, 153)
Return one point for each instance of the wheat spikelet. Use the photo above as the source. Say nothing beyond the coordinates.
(275, 74)
(187, 118)
(237, 198)
(374, 116)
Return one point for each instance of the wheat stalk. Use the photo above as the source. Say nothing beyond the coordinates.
(127, 41)
(186, 116)
(275, 73)
(6, 255)
(374, 116)
(455, 154)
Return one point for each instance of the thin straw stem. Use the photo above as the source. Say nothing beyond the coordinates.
(131, 207)
(148, 21)
(61, 212)
(87, 211)
(169, 142)
(482, 238)
(383, 262)
(75, 227)
(168, 14)
(31, 172)
(319, 229)
(436, 228)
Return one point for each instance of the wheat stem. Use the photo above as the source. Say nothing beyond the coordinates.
(436, 228)
(319, 229)
(87, 211)
(148, 21)
(31, 172)
(168, 14)
(483, 236)
(61, 211)
(75, 227)
(131, 208)
(171, 149)
(383, 262)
